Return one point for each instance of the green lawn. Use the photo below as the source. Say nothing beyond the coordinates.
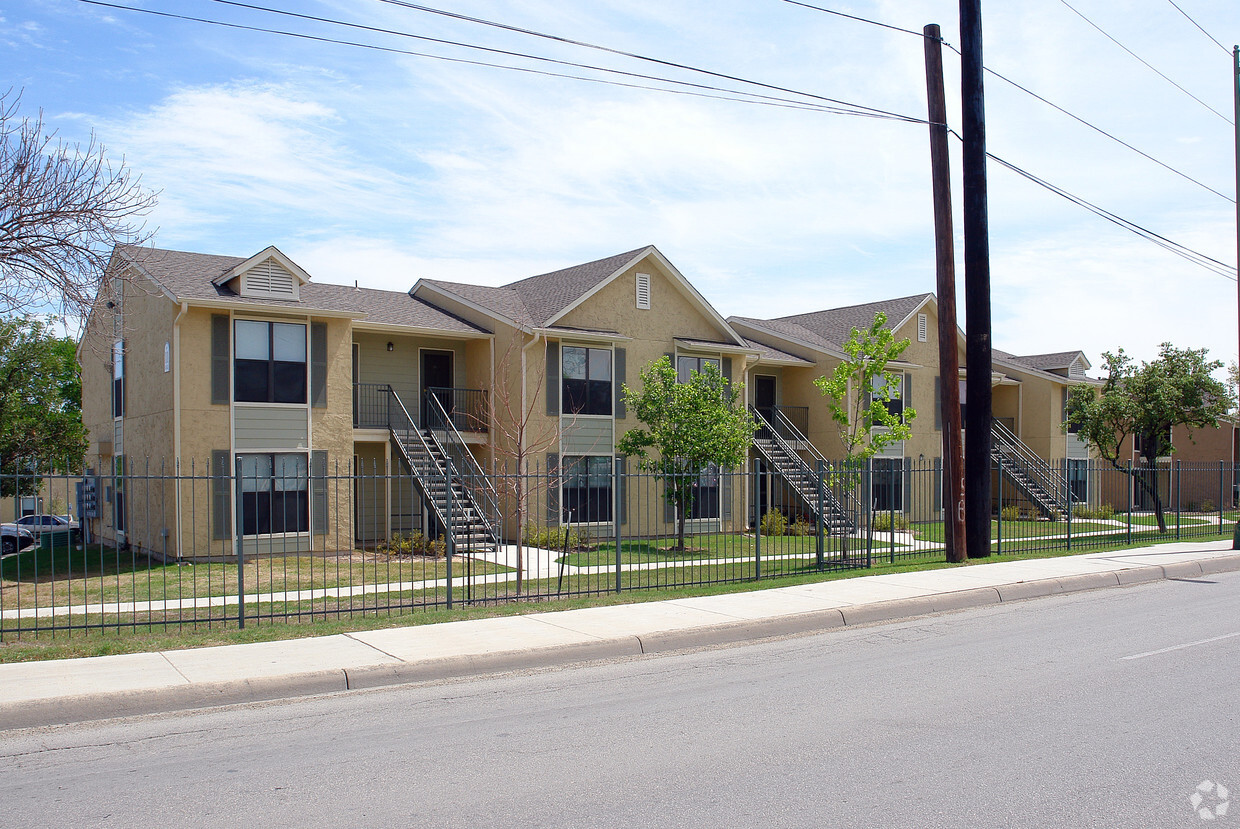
(711, 546)
(1016, 529)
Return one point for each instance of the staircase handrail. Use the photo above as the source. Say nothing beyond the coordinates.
(850, 497)
(473, 470)
(827, 495)
(1049, 479)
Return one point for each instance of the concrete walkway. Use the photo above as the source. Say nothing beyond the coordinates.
(61, 691)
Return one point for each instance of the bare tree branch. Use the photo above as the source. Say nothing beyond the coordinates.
(63, 207)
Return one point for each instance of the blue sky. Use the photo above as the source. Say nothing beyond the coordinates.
(383, 168)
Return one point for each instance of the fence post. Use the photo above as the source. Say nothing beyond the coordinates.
(757, 527)
(1132, 484)
(238, 529)
(892, 510)
(450, 538)
(822, 519)
(616, 488)
(1069, 508)
(1179, 477)
(868, 488)
(999, 522)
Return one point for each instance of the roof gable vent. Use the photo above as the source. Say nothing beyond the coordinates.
(643, 291)
(269, 279)
(921, 328)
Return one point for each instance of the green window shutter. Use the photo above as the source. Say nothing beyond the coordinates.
(727, 369)
(221, 494)
(725, 492)
(553, 489)
(907, 395)
(938, 403)
(318, 492)
(318, 365)
(219, 359)
(622, 488)
(553, 382)
(619, 380)
(669, 509)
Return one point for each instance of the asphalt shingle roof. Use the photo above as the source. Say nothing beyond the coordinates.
(832, 327)
(187, 276)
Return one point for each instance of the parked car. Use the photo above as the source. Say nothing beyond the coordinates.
(14, 539)
(38, 524)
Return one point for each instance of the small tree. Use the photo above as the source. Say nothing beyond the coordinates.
(62, 209)
(690, 425)
(859, 390)
(1147, 402)
(40, 403)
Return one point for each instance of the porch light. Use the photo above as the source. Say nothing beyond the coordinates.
(391, 347)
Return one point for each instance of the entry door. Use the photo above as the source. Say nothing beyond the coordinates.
(764, 396)
(437, 375)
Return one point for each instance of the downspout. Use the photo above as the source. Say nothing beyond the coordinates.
(524, 410)
(176, 416)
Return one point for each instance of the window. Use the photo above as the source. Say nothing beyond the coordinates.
(706, 494)
(685, 366)
(1078, 479)
(270, 364)
(880, 388)
(587, 381)
(887, 484)
(118, 379)
(587, 489)
(275, 494)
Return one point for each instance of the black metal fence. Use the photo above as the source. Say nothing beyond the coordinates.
(281, 537)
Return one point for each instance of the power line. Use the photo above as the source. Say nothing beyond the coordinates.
(1032, 94)
(726, 94)
(855, 17)
(1198, 25)
(659, 61)
(1145, 63)
(1196, 257)
(1114, 138)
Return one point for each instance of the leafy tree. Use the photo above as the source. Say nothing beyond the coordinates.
(1146, 402)
(690, 425)
(859, 390)
(40, 403)
(62, 209)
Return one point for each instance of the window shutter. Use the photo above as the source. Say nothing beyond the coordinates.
(318, 492)
(619, 379)
(318, 365)
(938, 403)
(221, 500)
(906, 394)
(553, 489)
(124, 377)
(219, 359)
(727, 369)
(725, 492)
(553, 381)
(669, 509)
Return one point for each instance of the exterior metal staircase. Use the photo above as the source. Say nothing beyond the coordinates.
(1045, 488)
(465, 508)
(772, 442)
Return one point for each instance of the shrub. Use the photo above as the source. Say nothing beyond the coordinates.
(1103, 512)
(551, 538)
(1010, 513)
(802, 527)
(883, 523)
(774, 523)
(1208, 506)
(414, 544)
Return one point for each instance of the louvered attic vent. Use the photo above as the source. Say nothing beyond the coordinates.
(269, 279)
(643, 291)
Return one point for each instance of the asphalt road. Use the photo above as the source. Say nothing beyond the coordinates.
(1101, 709)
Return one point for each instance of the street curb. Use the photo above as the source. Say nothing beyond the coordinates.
(80, 708)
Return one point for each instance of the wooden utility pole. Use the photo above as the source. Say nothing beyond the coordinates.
(976, 284)
(945, 272)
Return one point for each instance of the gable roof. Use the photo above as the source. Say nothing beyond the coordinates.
(541, 301)
(828, 330)
(192, 277)
(1057, 360)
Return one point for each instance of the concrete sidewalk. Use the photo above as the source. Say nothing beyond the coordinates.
(71, 690)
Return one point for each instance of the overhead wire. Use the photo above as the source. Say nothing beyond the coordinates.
(705, 90)
(1144, 62)
(1200, 27)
